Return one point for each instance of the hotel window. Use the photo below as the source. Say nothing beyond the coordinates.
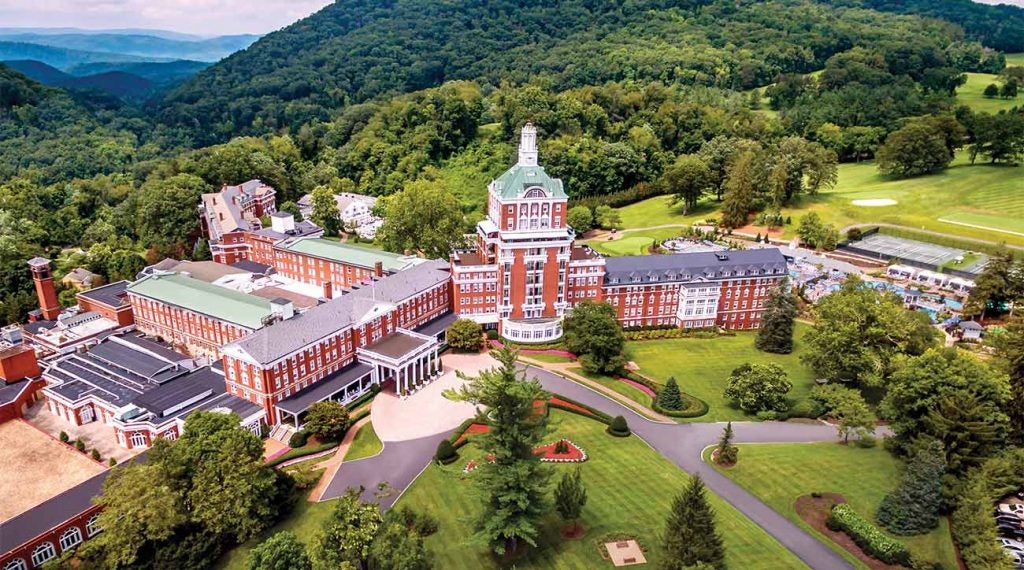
(138, 440)
(43, 554)
(16, 564)
(70, 539)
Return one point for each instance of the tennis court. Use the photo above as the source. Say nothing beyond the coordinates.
(886, 247)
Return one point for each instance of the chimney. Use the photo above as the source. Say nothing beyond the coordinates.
(378, 269)
(528, 145)
(328, 290)
(45, 290)
(282, 308)
(282, 222)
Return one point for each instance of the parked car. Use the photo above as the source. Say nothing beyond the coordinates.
(1012, 508)
(1012, 545)
(1010, 531)
(1009, 519)
(1017, 559)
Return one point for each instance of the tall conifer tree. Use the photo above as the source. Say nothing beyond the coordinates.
(690, 534)
(776, 331)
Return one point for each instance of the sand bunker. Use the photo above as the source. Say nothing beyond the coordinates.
(875, 202)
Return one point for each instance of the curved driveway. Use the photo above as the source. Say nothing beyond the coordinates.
(401, 462)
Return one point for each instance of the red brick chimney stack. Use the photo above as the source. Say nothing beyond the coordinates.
(378, 269)
(45, 290)
(328, 290)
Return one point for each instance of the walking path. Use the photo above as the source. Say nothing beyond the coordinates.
(402, 461)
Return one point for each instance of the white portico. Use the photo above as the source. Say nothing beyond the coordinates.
(409, 357)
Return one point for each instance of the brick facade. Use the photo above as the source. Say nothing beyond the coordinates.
(65, 536)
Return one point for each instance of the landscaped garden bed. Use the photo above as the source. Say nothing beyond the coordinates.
(561, 451)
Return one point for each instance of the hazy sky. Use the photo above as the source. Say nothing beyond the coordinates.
(204, 17)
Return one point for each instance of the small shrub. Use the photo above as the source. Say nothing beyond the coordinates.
(866, 441)
(298, 439)
(96, 455)
(111, 462)
(422, 524)
(561, 447)
(492, 334)
(816, 494)
(445, 453)
(769, 416)
(868, 537)
(619, 427)
(80, 445)
(304, 477)
(803, 409)
(64, 437)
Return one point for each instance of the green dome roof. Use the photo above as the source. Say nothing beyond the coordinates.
(518, 179)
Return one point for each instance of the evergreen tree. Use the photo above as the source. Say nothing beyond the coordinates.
(514, 485)
(669, 397)
(346, 536)
(913, 506)
(690, 535)
(998, 284)
(396, 547)
(1010, 346)
(776, 331)
(740, 191)
(727, 452)
(571, 497)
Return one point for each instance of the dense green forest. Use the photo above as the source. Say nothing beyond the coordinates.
(760, 99)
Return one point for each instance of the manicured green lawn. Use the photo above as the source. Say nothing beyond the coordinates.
(779, 473)
(365, 444)
(971, 94)
(551, 358)
(702, 367)
(988, 195)
(629, 488)
(619, 386)
(304, 521)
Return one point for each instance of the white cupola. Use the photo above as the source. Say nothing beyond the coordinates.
(528, 146)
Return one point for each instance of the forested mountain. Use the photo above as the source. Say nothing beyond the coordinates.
(59, 57)
(137, 44)
(354, 51)
(117, 83)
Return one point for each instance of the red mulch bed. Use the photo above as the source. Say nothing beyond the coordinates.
(815, 511)
(573, 532)
(547, 452)
(473, 429)
(714, 459)
(570, 405)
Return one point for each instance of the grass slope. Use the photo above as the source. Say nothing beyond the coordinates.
(629, 488)
(619, 386)
(981, 194)
(702, 367)
(304, 521)
(971, 94)
(779, 473)
(365, 444)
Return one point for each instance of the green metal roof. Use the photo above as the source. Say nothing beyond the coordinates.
(205, 298)
(517, 179)
(353, 255)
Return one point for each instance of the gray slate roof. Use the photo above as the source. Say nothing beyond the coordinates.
(280, 339)
(683, 267)
(113, 295)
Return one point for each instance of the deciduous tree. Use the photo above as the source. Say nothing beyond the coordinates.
(915, 149)
(325, 210)
(592, 331)
(327, 420)
(425, 217)
(465, 335)
(759, 388)
(687, 180)
(580, 218)
(347, 535)
(1010, 348)
(283, 551)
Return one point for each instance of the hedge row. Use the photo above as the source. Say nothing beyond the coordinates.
(454, 437)
(533, 346)
(301, 452)
(672, 332)
(695, 407)
(868, 537)
(369, 395)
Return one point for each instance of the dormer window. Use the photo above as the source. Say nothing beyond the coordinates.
(535, 192)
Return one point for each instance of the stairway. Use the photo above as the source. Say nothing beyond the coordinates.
(282, 433)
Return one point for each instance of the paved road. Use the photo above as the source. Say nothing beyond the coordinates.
(401, 462)
(682, 444)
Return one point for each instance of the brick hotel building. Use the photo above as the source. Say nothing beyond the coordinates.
(525, 271)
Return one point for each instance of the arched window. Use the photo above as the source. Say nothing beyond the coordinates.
(43, 554)
(92, 527)
(535, 192)
(70, 539)
(16, 564)
(138, 440)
